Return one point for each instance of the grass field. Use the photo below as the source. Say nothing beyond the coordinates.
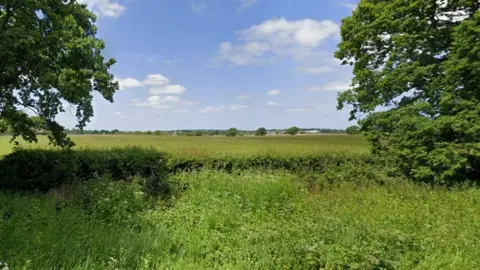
(250, 221)
(214, 145)
(355, 214)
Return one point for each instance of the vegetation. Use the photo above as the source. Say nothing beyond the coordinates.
(420, 59)
(232, 132)
(206, 146)
(353, 130)
(275, 202)
(36, 77)
(261, 132)
(293, 131)
(252, 220)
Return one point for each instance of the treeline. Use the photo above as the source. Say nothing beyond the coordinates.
(202, 132)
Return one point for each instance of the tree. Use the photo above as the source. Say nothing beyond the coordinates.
(261, 132)
(232, 132)
(293, 131)
(50, 57)
(353, 130)
(421, 60)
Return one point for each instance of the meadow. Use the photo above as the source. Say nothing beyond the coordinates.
(183, 145)
(349, 212)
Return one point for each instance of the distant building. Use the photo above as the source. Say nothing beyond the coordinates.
(312, 132)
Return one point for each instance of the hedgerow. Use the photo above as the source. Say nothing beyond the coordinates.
(40, 169)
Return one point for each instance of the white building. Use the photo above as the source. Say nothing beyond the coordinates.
(312, 132)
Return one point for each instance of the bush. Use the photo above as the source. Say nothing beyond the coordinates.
(43, 170)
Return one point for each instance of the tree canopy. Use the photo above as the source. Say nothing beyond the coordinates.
(293, 131)
(416, 68)
(232, 132)
(353, 130)
(261, 132)
(50, 57)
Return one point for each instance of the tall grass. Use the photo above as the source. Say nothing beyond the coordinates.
(249, 220)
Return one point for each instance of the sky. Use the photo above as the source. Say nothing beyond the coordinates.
(216, 64)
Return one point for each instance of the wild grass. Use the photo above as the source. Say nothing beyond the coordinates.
(195, 146)
(249, 220)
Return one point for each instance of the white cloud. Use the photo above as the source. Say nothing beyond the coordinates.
(159, 84)
(117, 113)
(156, 101)
(168, 89)
(338, 86)
(246, 4)
(105, 8)
(232, 107)
(156, 79)
(315, 70)
(198, 7)
(162, 107)
(298, 110)
(273, 92)
(273, 103)
(296, 40)
(128, 83)
(243, 97)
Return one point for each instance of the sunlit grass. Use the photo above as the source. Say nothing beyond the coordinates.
(215, 144)
(252, 221)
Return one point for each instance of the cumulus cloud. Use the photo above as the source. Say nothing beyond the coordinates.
(273, 103)
(338, 86)
(232, 107)
(296, 40)
(117, 113)
(156, 79)
(156, 101)
(273, 92)
(107, 8)
(128, 83)
(160, 85)
(168, 89)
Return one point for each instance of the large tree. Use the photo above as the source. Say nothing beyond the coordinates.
(49, 57)
(292, 131)
(416, 68)
(261, 132)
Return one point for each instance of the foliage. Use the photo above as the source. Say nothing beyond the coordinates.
(232, 132)
(50, 55)
(353, 130)
(253, 220)
(43, 170)
(261, 132)
(292, 131)
(421, 60)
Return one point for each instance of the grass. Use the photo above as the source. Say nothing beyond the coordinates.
(214, 145)
(253, 220)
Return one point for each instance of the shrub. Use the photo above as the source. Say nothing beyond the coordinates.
(43, 170)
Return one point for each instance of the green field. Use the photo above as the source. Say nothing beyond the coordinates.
(350, 215)
(183, 145)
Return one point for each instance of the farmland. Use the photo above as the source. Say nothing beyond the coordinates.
(215, 144)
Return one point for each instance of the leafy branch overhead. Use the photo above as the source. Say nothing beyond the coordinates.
(50, 57)
(416, 68)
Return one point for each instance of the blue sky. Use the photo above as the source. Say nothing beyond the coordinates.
(192, 64)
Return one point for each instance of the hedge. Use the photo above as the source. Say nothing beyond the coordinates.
(40, 169)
